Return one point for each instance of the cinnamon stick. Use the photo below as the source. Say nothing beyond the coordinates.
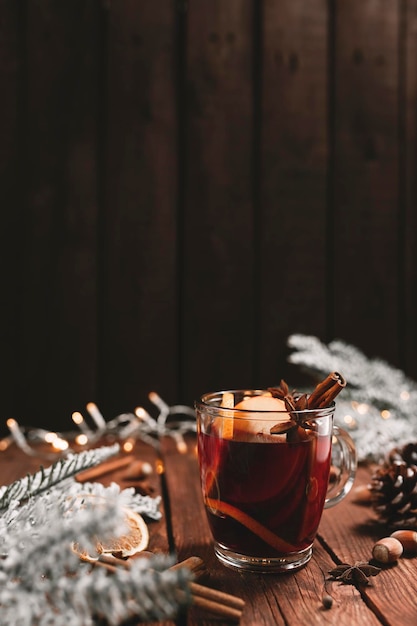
(326, 391)
(104, 468)
(216, 602)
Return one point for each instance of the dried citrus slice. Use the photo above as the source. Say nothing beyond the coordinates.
(133, 540)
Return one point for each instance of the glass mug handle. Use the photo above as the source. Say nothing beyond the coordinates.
(346, 467)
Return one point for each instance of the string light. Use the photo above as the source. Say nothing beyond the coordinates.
(96, 415)
(81, 440)
(126, 426)
(128, 445)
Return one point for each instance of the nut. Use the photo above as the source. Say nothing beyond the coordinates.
(408, 539)
(387, 550)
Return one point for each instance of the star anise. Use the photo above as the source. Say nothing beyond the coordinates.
(293, 404)
(358, 573)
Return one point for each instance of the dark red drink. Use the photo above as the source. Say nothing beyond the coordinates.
(264, 495)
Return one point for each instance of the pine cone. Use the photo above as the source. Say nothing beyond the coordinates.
(394, 488)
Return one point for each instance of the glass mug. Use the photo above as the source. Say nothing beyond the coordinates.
(265, 493)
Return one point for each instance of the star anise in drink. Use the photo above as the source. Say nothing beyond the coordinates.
(321, 397)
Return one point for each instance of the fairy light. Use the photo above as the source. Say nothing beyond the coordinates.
(159, 466)
(349, 421)
(144, 416)
(404, 395)
(78, 419)
(4, 444)
(18, 435)
(51, 437)
(128, 445)
(95, 413)
(60, 444)
(362, 408)
(127, 427)
(385, 414)
(180, 443)
(157, 401)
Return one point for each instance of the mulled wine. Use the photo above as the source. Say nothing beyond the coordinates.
(279, 485)
(264, 468)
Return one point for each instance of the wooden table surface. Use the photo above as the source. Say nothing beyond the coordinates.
(346, 534)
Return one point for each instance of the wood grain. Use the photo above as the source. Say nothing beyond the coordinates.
(294, 155)
(138, 271)
(407, 165)
(218, 305)
(57, 316)
(346, 534)
(12, 142)
(185, 184)
(365, 211)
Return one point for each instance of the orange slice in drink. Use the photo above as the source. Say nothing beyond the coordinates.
(257, 414)
(224, 423)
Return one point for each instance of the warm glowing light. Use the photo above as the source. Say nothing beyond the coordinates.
(99, 420)
(159, 466)
(128, 445)
(140, 412)
(349, 420)
(404, 395)
(51, 437)
(81, 440)
(11, 422)
(385, 414)
(4, 444)
(60, 444)
(181, 446)
(153, 397)
(77, 418)
(362, 408)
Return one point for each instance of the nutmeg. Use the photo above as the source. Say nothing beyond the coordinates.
(387, 550)
(408, 539)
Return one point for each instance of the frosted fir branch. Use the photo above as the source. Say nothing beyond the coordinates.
(35, 539)
(378, 405)
(34, 584)
(33, 484)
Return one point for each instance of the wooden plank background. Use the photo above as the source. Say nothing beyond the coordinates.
(183, 184)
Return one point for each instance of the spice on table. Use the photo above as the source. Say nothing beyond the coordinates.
(358, 573)
(214, 601)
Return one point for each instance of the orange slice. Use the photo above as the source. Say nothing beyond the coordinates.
(135, 539)
(228, 402)
(254, 409)
(253, 525)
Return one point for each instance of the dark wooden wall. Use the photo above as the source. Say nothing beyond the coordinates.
(185, 184)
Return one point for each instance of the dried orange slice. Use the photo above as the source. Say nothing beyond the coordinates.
(133, 540)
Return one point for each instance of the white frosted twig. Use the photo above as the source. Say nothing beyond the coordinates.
(33, 484)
